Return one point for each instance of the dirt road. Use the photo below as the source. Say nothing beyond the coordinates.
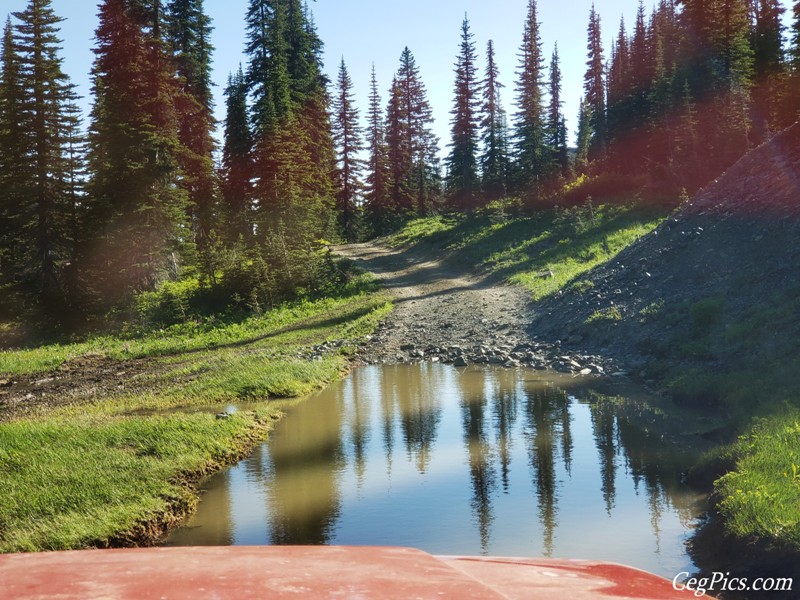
(445, 313)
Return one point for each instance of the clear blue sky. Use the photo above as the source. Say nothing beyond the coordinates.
(367, 31)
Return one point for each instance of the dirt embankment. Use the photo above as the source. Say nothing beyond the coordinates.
(674, 295)
(445, 313)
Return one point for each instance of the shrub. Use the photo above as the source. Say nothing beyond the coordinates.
(605, 187)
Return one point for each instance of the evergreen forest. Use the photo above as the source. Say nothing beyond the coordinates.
(148, 201)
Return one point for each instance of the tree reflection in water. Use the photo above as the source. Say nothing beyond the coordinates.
(467, 461)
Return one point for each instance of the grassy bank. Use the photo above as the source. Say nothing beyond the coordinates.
(760, 498)
(114, 459)
(543, 253)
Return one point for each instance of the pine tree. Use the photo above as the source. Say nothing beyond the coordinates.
(237, 160)
(293, 150)
(718, 59)
(531, 159)
(734, 52)
(347, 136)
(642, 66)
(658, 151)
(594, 86)
(790, 110)
(41, 215)
(794, 51)
(74, 189)
(697, 55)
(398, 150)
(686, 174)
(412, 146)
(267, 73)
(618, 85)
(462, 163)
(555, 127)
(138, 212)
(376, 196)
(769, 66)
(189, 32)
(13, 147)
(494, 159)
(584, 137)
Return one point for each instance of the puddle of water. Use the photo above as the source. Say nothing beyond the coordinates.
(475, 461)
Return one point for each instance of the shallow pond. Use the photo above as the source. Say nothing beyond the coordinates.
(463, 461)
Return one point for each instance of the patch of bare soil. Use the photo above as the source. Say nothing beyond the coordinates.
(84, 379)
(445, 313)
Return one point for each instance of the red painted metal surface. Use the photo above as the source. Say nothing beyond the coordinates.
(314, 572)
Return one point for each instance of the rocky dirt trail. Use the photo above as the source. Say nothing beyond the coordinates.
(445, 313)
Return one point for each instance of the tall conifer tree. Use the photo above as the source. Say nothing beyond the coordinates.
(347, 136)
(376, 195)
(462, 163)
(138, 209)
(189, 32)
(618, 86)
(412, 146)
(237, 160)
(293, 153)
(42, 214)
(594, 86)
(791, 106)
(584, 137)
(794, 49)
(494, 159)
(529, 124)
(556, 128)
(13, 145)
(769, 66)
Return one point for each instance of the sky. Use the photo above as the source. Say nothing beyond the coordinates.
(364, 32)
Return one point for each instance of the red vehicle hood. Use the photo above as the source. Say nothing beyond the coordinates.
(315, 572)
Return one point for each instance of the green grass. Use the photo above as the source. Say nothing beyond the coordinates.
(305, 318)
(760, 498)
(544, 253)
(119, 468)
(79, 482)
(609, 314)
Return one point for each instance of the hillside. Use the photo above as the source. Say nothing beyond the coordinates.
(709, 295)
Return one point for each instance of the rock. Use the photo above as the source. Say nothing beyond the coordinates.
(408, 347)
(461, 362)
(586, 371)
